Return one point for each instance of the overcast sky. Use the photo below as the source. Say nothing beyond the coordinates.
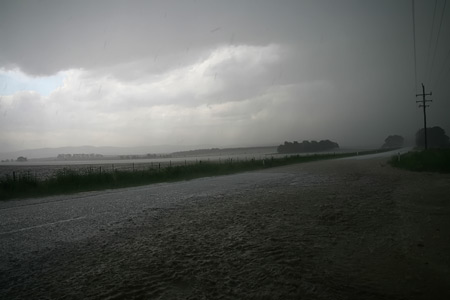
(218, 73)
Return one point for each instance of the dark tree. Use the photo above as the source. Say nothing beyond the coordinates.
(307, 146)
(393, 141)
(436, 138)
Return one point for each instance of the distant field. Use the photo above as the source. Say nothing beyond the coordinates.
(77, 178)
(44, 169)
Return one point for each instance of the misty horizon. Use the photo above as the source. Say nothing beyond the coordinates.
(110, 151)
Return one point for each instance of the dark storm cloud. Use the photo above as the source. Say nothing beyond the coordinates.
(49, 36)
(257, 71)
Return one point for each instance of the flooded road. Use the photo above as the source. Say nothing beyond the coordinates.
(31, 225)
(343, 229)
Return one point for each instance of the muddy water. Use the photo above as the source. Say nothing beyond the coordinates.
(326, 230)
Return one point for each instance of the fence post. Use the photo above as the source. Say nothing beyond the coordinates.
(14, 176)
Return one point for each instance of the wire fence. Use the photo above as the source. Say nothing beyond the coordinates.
(43, 172)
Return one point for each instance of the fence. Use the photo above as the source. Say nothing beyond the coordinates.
(43, 172)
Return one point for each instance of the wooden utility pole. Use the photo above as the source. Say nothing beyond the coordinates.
(424, 105)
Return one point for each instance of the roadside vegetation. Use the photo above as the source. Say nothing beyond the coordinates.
(68, 181)
(434, 160)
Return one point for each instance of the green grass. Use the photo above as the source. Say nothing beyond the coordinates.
(435, 160)
(67, 181)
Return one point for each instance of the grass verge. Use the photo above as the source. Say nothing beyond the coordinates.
(67, 181)
(434, 160)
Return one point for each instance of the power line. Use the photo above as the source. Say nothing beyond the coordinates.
(431, 34)
(414, 42)
(437, 41)
(441, 72)
(447, 74)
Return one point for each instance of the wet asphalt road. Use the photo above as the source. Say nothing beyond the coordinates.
(30, 226)
(34, 225)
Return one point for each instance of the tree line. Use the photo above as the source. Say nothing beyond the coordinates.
(79, 156)
(436, 138)
(307, 146)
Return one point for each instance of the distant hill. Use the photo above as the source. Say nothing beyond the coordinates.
(181, 151)
(106, 151)
(225, 151)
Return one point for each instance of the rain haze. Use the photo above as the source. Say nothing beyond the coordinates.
(219, 73)
(169, 149)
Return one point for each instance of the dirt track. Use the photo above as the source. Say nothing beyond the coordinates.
(354, 230)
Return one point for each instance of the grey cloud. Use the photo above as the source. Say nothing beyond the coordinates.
(48, 36)
(341, 70)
